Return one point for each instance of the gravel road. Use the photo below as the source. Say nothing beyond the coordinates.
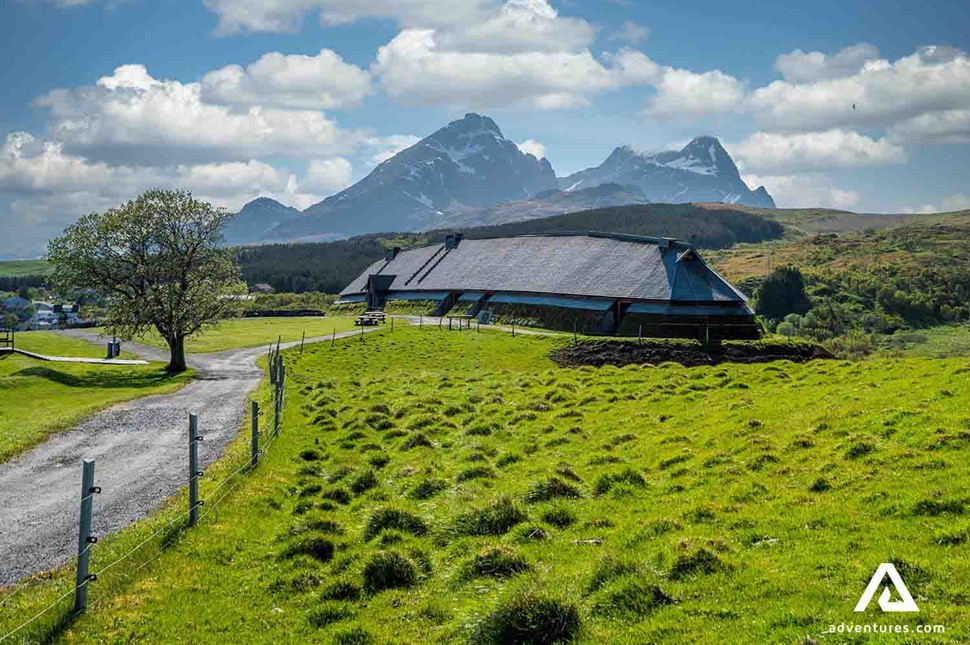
(140, 457)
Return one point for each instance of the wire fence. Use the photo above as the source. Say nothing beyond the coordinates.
(109, 575)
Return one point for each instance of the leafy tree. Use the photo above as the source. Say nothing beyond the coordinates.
(782, 293)
(158, 263)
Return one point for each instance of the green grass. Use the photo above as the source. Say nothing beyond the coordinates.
(20, 268)
(253, 332)
(736, 504)
(52, 344)
(40, 398)
(946, 341)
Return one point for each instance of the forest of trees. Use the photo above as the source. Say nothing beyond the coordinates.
(329, 267)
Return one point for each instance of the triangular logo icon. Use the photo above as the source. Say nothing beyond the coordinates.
(905, 603)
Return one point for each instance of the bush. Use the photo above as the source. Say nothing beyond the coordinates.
(497, 562)
(497, 518)
(552, 488)
(391, 518)
(315, 546)
(628, 476)
(428, 488)
(389, 570)
(363, 482)
(529, 618)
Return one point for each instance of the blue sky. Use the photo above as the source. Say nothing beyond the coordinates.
(294, 99)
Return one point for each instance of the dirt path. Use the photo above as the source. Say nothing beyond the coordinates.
(140, 453)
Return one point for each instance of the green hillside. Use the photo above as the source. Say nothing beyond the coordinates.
(446, 487)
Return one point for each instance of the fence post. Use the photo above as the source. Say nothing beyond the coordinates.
(420, 321)
(513, 330)
(278, 396)
(302, 340)
(392, 323)
(575, 338)
(333, 339)
(254, 444)
(194, 472)
(640, 333)
(84, 537)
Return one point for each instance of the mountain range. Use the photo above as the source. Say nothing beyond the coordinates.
(469, 174)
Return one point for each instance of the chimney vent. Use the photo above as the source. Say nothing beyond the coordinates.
(452, 241)
(390, 254)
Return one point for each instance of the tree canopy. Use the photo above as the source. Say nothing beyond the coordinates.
(783, 293)
(157, 261)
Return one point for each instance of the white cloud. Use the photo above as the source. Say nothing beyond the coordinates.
(131, 117)
(630, 32)
(520, 26)
(412, 68)
(806, 190)
(683, 94)
(774, 152)
(387, 147)
(327, 175)
(287, 15)
(801, 67)
(533, 147)
(300, 82)
(956, 202)
(882, 94)
(948, 126)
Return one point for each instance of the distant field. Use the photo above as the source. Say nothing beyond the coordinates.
(39, 398)
(253, 332)
(946, 341)
(459, 488)
(17, 268)
(53, 344)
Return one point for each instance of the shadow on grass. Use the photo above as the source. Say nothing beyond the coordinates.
(109, 378)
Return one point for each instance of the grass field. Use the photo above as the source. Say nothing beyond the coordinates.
(253, 332)
(52, 344)
(19, 268)
(39, 398)
(458, 487)
(945, 341)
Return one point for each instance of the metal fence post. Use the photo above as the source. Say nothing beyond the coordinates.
(333, 339)
(194, 471)
(302, 340)
(255, 439)
(84, 537)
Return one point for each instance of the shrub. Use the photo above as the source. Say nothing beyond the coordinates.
(341, 590)
(628, 476)
(363, 482)
(356, 635)
(529, 618)
(700, 561)
(497, 518)
(428, 488)
(392, 518)
(559, 517)
(475, 472)
(629, 595)
(328, 613)
(315, 546)
(820, 485)
(389, 570)
(552, 488)
(497, 562)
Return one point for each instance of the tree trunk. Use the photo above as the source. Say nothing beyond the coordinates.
(176, 346)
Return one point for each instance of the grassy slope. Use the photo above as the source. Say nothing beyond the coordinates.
(18, 268)
(52, 344)
(787, 483)
(39, 398)
(945, 341)
(253, 332)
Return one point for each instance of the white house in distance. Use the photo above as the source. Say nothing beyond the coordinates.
(44, 315)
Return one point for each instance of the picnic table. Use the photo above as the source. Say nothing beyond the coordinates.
(371, 318)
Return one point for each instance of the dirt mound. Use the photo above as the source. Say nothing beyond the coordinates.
(620, 353)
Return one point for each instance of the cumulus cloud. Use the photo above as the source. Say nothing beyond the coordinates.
(882, 94)
(956, 202)
(682, 93)
(947, 126)
(805, 190)
(801, 67)
(533, 147)
(520, 26)
(131, 117)
(630, 32)
(387, 147)
(300, 82)
(287, 15)
(327, 175)
(776, 152)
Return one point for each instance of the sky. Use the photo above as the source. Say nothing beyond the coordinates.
(828, 103)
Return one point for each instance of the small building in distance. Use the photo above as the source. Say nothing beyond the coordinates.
(595, 283)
